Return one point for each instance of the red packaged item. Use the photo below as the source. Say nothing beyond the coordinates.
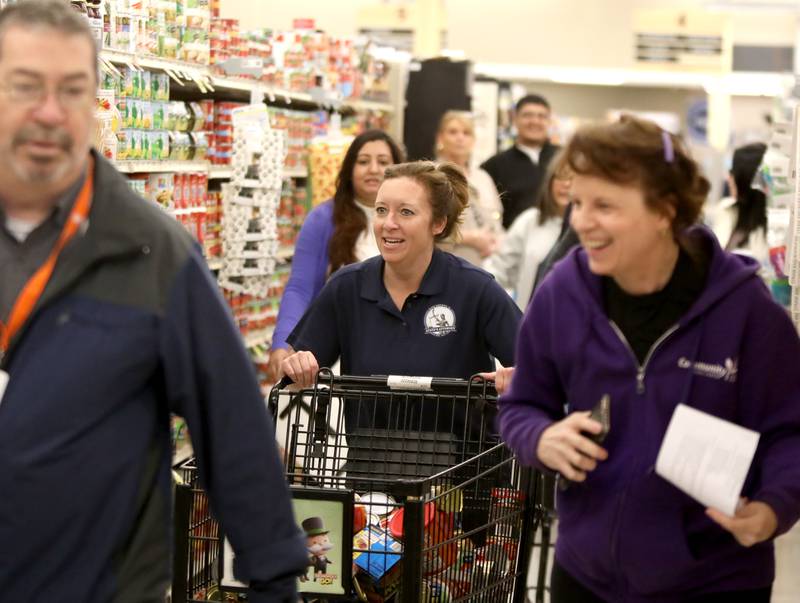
(177, 191)
(193, 188)
(200, 227)
(187, 190)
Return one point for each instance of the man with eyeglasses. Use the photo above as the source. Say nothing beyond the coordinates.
(110, 321)
(518, 172)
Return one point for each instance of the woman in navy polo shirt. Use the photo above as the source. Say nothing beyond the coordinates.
(413, 310)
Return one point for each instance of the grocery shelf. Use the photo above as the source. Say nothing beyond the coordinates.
(285, 254)
(217, 172)
(220, 172)
(300, 171)
(121, 57)
(185, 211)
(263, 336)
(215, 264)
(135, 167)
(367, 105)
(201, 74)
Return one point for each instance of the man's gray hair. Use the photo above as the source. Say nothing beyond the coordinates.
(57, 15)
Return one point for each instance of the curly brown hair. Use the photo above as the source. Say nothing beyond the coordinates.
(348, 220)
(446, 185)
(634, 151)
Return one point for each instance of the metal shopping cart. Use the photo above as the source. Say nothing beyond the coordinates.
(442, 511)
(197, 540)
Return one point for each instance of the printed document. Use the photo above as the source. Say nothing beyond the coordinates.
(706, 457)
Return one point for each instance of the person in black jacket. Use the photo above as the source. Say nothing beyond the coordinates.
(518, 172)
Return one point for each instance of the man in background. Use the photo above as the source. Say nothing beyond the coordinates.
(110, 321)
(518, 172)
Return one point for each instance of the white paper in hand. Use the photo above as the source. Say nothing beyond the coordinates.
(706, 457)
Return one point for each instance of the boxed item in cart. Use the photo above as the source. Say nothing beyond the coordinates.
(377, 554)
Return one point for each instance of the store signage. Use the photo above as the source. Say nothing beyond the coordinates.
(671, 38)
(676, 48)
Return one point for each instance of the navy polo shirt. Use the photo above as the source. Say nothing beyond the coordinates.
(458, 321)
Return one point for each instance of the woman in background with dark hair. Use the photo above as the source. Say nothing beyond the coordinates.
(740, 221)
(335, 233)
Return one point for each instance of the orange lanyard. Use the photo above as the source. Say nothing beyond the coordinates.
(33, 289)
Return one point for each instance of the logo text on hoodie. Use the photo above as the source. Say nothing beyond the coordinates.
(725, 371)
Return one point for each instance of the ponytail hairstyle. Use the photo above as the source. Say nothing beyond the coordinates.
(447, 188)
(348, 220)
(751, 203)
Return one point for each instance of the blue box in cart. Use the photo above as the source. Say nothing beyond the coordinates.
(386, 552)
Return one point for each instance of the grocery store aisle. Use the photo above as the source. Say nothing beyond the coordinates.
(787, 580)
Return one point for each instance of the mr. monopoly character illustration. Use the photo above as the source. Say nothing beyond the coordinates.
(318, 544)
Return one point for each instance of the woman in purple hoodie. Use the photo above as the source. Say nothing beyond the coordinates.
(654, 313)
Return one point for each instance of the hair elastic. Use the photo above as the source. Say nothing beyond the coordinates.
(669, 151)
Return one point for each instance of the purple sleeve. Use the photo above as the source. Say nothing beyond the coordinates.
(769, 394)
(535, 398)
(309, 269)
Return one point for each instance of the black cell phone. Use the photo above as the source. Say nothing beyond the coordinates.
(602, 414)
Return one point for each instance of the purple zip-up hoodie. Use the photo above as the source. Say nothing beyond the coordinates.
(625, 533)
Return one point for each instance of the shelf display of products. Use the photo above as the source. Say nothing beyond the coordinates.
(292, 211)
(256, 316)
(299, 128)
(212, 238)
(164, 28)
(297, 61)
(190, 33)
(221, 149)
(184, 196)
(171, 149)
(325, 155)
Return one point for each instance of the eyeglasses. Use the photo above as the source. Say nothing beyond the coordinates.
(30, 94)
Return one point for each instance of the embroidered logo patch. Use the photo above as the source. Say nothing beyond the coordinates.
(726, 371)
(440, 320)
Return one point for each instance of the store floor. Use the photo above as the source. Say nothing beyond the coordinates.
(787, 581)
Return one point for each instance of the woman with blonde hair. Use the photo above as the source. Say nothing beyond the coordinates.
(482, 227)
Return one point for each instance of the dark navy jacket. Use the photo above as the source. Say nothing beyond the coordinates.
(130, 328)
(458, 321)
